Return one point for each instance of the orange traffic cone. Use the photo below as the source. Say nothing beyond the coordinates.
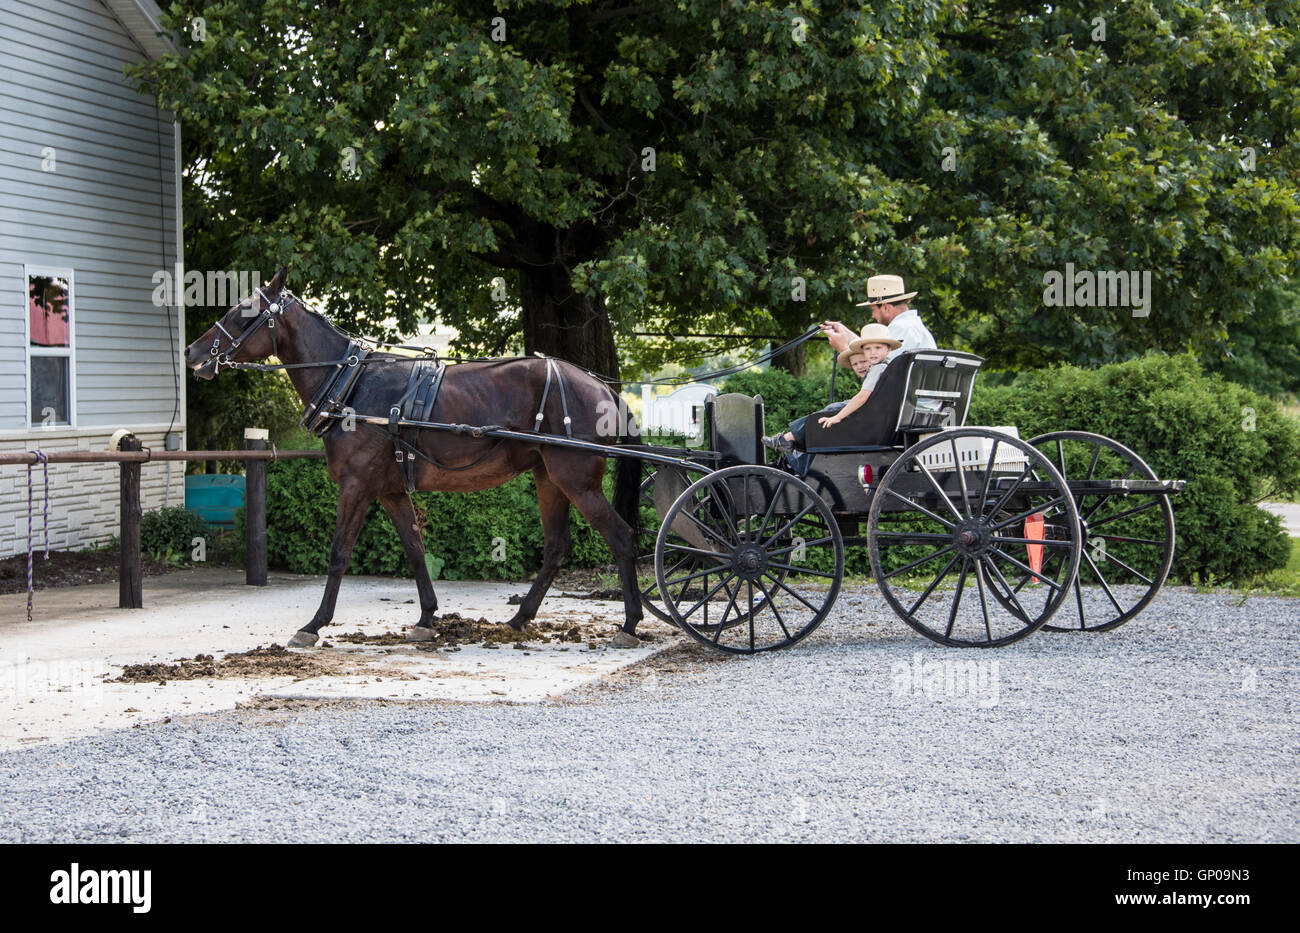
(1034, 528)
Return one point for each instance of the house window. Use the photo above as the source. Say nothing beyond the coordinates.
(49, 347)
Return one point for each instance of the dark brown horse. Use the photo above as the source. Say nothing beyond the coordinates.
(497, 392)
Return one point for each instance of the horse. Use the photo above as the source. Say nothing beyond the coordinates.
(364, 463)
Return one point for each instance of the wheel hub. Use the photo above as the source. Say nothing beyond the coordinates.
(749, 561)
(972, 538)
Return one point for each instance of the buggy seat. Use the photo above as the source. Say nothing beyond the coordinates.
(919, 392)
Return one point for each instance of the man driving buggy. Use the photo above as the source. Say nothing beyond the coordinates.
(897, 326)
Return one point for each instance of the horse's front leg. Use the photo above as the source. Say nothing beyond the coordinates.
(353, 502)
(402, 511)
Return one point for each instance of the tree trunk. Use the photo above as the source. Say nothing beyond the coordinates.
(793, 361)
(562, 323)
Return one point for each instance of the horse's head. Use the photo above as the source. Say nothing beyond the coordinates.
(243, 333)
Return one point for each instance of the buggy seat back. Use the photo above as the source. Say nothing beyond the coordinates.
(736, 427)
(920, 391)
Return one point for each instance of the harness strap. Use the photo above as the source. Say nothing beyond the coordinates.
(546, 390)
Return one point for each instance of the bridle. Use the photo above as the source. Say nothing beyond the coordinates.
(265, 319)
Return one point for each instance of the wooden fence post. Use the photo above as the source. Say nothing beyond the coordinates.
(255, 509)
(130, 570)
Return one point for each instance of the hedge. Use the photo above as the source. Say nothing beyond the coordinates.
(1229, 443)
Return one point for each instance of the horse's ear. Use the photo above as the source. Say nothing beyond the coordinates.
(277, 283)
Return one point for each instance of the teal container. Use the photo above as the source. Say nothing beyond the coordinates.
(215, 496)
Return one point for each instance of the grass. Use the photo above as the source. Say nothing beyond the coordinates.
(1283, 582)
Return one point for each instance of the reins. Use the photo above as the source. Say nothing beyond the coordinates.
(267, 318)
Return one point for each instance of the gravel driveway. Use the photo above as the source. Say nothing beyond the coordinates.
(1180, 726)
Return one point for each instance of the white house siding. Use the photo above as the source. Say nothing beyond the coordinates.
(84, 497)
(108, 213)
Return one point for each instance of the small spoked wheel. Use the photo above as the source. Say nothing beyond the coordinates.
(765, 559)
(1128, 541)
(958, 544)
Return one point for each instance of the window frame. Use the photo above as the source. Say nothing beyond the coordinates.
(70, 351)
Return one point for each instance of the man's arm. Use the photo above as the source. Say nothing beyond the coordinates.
(838, 335)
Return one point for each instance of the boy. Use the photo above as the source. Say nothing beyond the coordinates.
(866, 355)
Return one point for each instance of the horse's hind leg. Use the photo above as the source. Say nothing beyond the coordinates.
(353, 501)
(582, 486)
(554, 509)
(402, 511)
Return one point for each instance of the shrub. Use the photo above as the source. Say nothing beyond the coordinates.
(1230, 444)
(170, 529)
(490, 534)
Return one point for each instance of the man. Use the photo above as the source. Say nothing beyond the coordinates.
(887, 299)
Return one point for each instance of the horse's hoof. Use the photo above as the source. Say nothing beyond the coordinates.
(303, 639)
(517, 623)
(624, 640)
(419, 633)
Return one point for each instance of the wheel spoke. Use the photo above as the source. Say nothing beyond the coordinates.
(790, 547)
(961, 477)
(1096, 455)
(725, 509)
(911, 536)
(988, 473)
(956, 596)
(1027, 569)
(1104, 585)
(707, 596)
(1115, 560)
(1012, 488)
(749, 585)
(1124, 540)
(984, 603)
(771, 507)
(916, 563)
(673, 545)
(801, 570)
(1032, 510)
(770, 600)
(697, 574)
(793, 593)
(706, 529)
(1078, 598)
(1010, 593)
(922, 509)
(1047, 542)
(931, 588)
(939, 489)
(722, 623)
(1137, 508)
(792, 522)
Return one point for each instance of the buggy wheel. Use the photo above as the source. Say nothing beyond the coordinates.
(671, 483)
(1128, 541)
(948, 542)
(771, 564)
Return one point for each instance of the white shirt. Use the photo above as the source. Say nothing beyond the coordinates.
(908, 330)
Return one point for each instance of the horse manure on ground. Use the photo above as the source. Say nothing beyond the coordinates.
(454, 629)
(271, 661)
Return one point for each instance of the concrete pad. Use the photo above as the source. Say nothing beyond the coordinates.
(56, 671)
(1289, 512)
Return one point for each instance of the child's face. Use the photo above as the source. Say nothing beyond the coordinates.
(859, 363)
(874, 353)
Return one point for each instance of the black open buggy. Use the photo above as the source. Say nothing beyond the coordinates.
(975, 536)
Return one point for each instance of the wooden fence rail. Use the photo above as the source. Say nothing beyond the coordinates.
(130, 455)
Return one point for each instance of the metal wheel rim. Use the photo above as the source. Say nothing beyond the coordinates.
(948, 553)
(783, 622)
(1143, 471)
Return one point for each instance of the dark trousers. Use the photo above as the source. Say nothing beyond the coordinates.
(797, 459)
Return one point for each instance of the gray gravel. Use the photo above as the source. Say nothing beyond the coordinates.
(1180, 726)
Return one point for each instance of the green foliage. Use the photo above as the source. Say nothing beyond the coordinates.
(1233, 447)
(786, 397)
(492, 534)
(170, 531)
(815, 148)
(1265, 352)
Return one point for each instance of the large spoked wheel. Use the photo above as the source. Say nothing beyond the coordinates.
(770, 566)
(663, 482)
(950, 546)
(1128, 541)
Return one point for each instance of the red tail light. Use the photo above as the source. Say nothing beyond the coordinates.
(864, 474)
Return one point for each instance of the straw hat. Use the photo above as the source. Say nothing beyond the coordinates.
(872, 333)
(885, 290)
